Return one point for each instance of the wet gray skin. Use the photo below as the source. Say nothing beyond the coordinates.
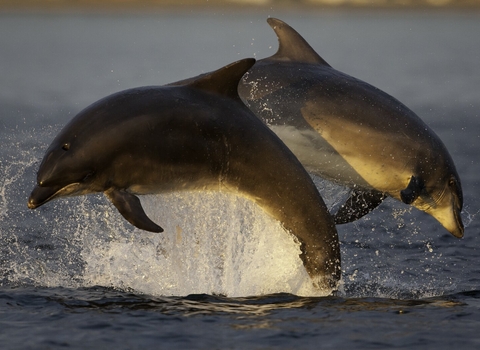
(352, 133)
(188, 136)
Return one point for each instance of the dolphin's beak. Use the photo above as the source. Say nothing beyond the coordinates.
(450, 218)
(41, 195)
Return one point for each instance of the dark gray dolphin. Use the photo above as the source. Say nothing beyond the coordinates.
(196, 135)
(348, 131)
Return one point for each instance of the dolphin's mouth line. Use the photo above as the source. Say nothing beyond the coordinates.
(41, 195)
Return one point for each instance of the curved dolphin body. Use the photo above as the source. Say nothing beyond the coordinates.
(352, 133)
(194, 135)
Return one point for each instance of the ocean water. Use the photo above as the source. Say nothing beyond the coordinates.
(74, 274)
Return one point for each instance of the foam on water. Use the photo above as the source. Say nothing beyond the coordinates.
(213, 243)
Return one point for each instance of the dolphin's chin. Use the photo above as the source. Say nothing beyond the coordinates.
(41, 195)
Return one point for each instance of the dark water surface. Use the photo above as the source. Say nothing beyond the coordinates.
(101, 317)
(223, 275)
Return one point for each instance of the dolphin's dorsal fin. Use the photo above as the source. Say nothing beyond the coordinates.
(223, 81)
(292, 47)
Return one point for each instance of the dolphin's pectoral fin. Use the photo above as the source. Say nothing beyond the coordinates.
(409, 194)
(359, 204)
(131, 209)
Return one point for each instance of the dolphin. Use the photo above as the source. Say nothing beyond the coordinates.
(352, 133)
(189, 136)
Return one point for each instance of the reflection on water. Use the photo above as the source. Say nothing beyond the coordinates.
(108, 299)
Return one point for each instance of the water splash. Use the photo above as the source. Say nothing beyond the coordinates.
(213, 243)
(469, 215)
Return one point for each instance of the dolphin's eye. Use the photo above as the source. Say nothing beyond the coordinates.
(452, 182)
(66, 146)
